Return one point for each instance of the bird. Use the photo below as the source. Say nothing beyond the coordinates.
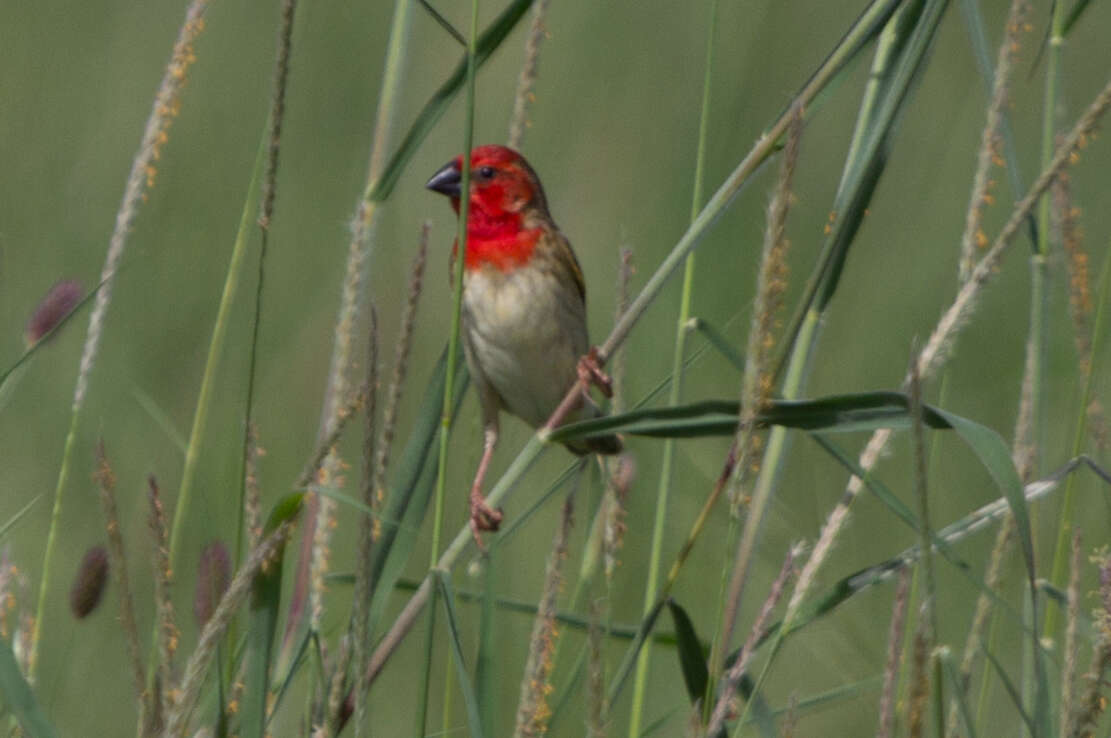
(523, 308)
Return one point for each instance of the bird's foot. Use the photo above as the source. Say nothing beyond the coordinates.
(590, 372)
(483, 517)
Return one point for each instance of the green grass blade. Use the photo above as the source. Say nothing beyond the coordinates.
(719, 341)
(17, 517)
(474, 723)
(488, 42)
(262, 624)
(647, 625)
(294, 663)
(888, 498)
(959, 693)
(692, 658)
(835, 413)
(1074, 15)
(412, 490)
(994, 454)
(18, 696)
(865, 170)
(1009, 686)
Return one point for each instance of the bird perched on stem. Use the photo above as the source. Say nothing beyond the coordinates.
(524, 307)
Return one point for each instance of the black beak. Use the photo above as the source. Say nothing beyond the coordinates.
(445, 181)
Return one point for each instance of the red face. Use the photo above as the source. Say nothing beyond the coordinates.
(503, 187)
(501, 183)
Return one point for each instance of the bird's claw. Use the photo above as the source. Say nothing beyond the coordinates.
(483, 518)
(590, 372)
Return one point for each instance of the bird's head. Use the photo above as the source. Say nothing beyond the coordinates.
(503, 185)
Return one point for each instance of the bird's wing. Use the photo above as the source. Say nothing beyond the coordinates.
(573, 263)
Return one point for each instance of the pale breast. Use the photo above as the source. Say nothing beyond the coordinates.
(525, 333)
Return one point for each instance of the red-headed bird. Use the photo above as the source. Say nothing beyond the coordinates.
(524, 306)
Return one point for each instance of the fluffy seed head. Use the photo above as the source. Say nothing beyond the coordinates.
(89, 584)
(58, 302)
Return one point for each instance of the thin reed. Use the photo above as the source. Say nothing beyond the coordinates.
(802, 535)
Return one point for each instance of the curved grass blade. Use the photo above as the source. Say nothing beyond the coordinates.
(836, 413)
(718, 340)
(18, 696)
(996, 457)
(626, 667)
(17, 517)
(978, 38)
(412, 491)
(1074, 15)
(263, 623)
(1009, 686)
(474, 723)
(959, 694)
(888, 498)
(692, 658)
(291, 672)
(866, 159)
(488, 41)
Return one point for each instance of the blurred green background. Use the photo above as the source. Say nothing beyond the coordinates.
(613, 136)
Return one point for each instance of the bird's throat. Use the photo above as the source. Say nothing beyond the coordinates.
(498, 240)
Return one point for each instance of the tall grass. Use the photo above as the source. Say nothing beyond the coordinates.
(766, 619)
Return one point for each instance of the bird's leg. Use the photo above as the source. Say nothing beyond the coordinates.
(484, 517)
(590, 372)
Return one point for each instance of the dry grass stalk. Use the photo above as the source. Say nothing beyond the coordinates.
(973, 237)
(321, 557)
(920, 676)
(1066, 219)
(400, 367)
(351, 294)
(921, 492)
(311, 473)
(167, 105)
(360, 610)
(1092, 704)
(252, 500)
(891, 665)
(277, 113)
(790, 721)
(533, 711)
(334, 696)
(526, 80)
(618, 483)
(1071, 234)
(939, 347)
(106, 484)
(236, 595)
(9, 580)
(757, 384)
(163, 580)
(771, 284)
(1068, 670)
(625, 271)
(759, 626)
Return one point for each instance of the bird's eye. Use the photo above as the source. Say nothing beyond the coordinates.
(486, 172)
